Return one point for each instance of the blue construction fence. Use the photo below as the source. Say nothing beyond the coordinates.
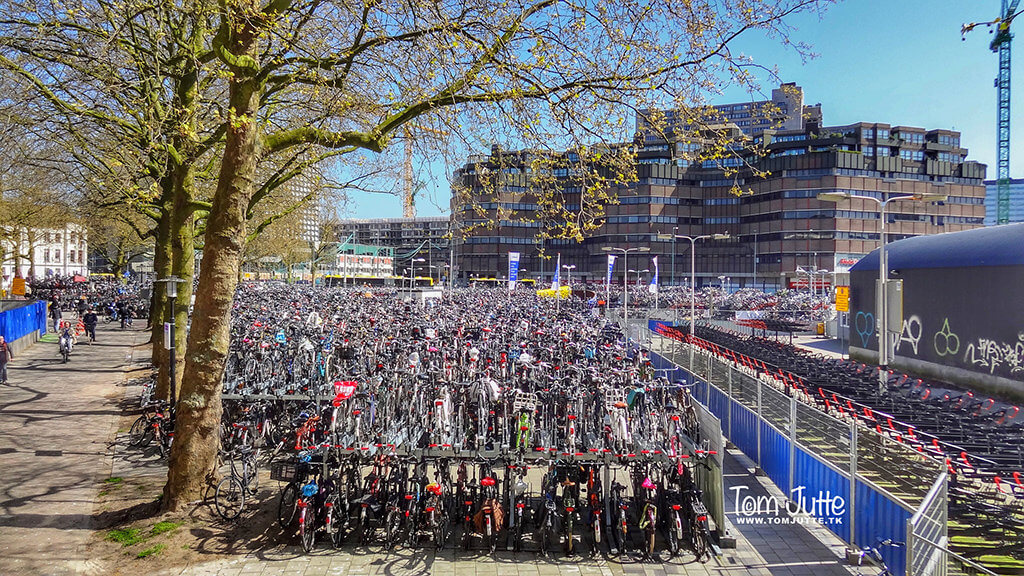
(18, 322)
(805, 477)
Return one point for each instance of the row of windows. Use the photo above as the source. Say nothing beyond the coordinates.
(724, 220)
(654, 161)
(722, 182)
(729, 162)
(970, 200)
(721, 201)
(655, 148)
(790, 138)
(914, 155)
(518, 206)
(641, 219)
(948, 139)
(656, 181)
(911, 137)
(500, 240)
(518, 224)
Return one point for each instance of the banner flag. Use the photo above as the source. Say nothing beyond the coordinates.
(513, 269)
(654, 279)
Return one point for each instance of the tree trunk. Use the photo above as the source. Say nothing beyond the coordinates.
(199, 408)
(158, 307)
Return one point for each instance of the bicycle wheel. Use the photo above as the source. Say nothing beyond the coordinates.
(673, 537)
(440, 530)
(229, 499)
(700, 544)
(141, 433)
(491, 532)
(307, 528)
(288, 506)
(568, 536)
(393, 526)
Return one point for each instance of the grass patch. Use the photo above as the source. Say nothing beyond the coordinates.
(163, 527)
(151, 551)
(113, 480)
(126, 536)
(103, 493)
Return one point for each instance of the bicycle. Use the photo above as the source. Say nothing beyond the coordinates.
(874, 555)
(242, 482)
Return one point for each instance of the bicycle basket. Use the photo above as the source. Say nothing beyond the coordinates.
(283, 471)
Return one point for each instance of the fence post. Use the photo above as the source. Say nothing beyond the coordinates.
(792, 442)
(758, 421)
(728, 411)
(910, 548)
(853, 482)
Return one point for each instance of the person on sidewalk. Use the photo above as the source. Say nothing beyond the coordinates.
(5, 354)
(90, 320)
(55, 314)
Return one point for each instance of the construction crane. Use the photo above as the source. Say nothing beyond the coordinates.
(411, 188)
(1001, 45)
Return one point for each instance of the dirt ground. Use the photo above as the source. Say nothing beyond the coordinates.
(132, 536)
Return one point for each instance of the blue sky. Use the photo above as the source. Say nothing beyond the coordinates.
(895, 61)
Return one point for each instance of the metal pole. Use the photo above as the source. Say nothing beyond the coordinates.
(625, 290)
(672, 279)
(173, 358)
(693, 295)
(753, 281)
(883, 278)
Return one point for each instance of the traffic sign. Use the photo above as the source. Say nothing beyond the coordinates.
(842, 298)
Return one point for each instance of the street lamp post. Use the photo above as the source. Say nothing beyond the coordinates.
(693, 279)
(883, 267)
(412, 284)
(568, 277)
(625, 278)
(672, 274)
(171, 292)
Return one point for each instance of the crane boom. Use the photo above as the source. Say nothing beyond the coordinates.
(1001, 45)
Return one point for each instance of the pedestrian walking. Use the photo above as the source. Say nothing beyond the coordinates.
(55, 314)
(5, 354)
(90, 320)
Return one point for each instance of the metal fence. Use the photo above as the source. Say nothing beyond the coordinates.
(889, 491)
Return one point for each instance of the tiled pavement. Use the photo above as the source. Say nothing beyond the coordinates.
(56, 423)
(46, 500)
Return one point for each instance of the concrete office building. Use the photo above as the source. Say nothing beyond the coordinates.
(422, 237)
(778, 228)
(1016, 202)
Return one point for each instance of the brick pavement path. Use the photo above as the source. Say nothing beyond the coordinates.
(56, 425)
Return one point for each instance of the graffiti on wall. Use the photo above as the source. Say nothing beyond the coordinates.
(998, 358)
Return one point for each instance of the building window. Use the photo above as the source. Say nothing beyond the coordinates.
(882, 151)
(46, 255)
(868, 150)
(883, 133)
(56, 255)
(868, 133)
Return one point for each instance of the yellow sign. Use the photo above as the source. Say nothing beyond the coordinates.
(842, 298)
(18, 287)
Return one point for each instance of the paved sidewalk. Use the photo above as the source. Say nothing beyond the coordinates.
(56, 424)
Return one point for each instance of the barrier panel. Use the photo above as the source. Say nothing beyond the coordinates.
(862, 486)
(17, 322)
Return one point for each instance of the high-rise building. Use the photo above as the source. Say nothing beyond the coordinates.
(1016, 202)
(761, 192)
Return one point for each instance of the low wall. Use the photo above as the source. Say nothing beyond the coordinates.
(22, 323)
